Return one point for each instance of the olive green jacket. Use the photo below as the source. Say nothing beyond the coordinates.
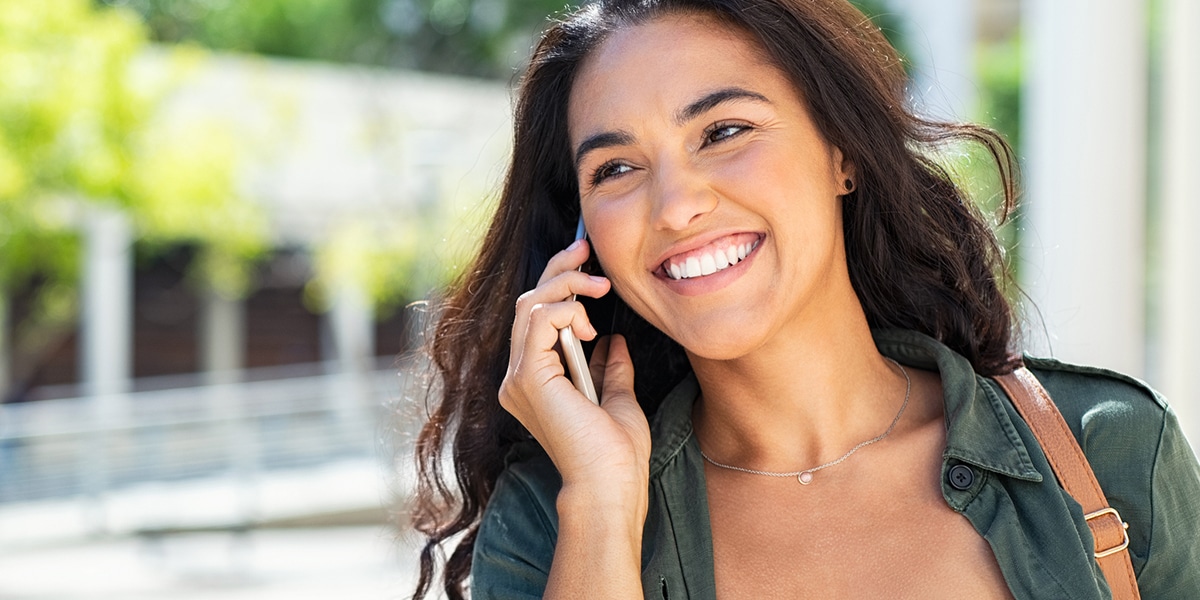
(1037, 531)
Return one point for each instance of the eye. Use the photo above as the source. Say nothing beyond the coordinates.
(723, 131)
(608, 170)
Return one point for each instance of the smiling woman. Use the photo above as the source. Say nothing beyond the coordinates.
(806, 307)
(711, 152)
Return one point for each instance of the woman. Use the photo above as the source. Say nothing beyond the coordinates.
(804, 305)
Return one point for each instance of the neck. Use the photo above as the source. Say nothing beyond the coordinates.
(802, 399)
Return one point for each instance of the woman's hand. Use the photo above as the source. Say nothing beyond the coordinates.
(602, 452)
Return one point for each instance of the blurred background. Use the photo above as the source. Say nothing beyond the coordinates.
(215, 218)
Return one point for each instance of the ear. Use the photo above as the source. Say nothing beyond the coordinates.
(844, 172)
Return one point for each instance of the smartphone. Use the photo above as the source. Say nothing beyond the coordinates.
(572, 350)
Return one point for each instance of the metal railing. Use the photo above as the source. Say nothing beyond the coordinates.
(90, 446)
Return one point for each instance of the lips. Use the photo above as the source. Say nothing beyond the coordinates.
(712, 257)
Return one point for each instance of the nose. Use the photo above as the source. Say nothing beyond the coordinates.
(681, 196)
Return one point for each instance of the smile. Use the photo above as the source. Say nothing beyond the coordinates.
(711, 258)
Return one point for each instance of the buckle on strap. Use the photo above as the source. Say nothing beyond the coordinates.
(1124, 530)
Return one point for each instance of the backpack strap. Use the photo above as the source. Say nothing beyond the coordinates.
(1076, 477)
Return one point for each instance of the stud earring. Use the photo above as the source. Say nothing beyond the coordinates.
(849, 185)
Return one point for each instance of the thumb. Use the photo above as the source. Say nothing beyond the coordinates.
(619, 401)
(618, 373)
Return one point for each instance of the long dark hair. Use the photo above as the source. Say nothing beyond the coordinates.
(920, 255)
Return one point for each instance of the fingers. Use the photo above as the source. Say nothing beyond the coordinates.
(562, 286)
(533, 358)
(568, 259)
(546, 319)
(542, 312)
(562, 279)
(559, 282)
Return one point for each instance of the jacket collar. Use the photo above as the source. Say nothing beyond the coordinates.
(671, 427)
(979, 424)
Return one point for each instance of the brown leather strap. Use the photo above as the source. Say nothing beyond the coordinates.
(1076, 477)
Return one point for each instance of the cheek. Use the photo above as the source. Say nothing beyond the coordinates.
(614, 231)
(796, 192)
(763, 169)
(609, 247)
(624, 271)
(616, 236)
(616, 260)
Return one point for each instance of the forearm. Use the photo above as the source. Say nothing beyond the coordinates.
(599, 548)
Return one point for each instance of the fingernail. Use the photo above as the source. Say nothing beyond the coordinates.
(597, 278)
(573, 245)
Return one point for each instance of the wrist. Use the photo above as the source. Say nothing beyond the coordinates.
(608, 511)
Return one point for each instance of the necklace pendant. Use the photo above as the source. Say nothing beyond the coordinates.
(805, 478)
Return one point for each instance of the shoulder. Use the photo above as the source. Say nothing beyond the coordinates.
(531, 484)
(526, 491)
(1094, 400)
(518, 531)
(1118, 421)
(1142, 461)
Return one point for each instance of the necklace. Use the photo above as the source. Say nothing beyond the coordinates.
(805, 477)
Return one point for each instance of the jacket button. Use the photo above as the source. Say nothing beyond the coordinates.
(961, 477)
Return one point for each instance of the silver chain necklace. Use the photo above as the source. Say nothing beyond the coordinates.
(805, 477)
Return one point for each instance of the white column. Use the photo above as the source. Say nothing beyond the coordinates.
(353, 327)
(222, 336)
(940, 36)
(353, 330)
(106, 348)
(222, 344)
(107, 327)
(1084, 129)
(1179, 349)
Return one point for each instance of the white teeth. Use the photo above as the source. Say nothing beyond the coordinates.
(707, 264)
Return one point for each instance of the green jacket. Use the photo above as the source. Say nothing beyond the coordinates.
(1037, 532)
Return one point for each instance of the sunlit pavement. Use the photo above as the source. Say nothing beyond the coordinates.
(179, 541)
(335, 562)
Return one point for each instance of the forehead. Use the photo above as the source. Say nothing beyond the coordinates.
(661, 63)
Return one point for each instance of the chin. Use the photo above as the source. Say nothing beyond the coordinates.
(720, 343)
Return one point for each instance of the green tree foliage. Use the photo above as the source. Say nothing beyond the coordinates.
(79, 127)
(467, 37)
(999, 68)
(487, 38)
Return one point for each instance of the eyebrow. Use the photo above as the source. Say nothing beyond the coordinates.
(607, 139)
(708, 102)
(715, 99)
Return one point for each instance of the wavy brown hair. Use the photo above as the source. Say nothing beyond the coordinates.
(920, 255)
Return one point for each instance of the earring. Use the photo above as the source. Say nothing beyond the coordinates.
(849, 185)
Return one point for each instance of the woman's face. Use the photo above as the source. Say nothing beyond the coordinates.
(710, 198)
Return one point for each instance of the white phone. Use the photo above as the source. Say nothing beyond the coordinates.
(577, 365)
